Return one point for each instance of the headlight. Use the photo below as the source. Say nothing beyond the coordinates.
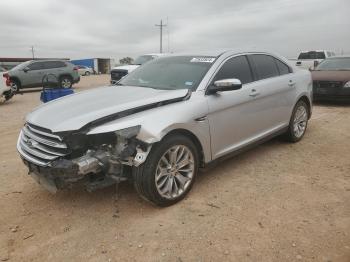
(128, 132)
(347, 84)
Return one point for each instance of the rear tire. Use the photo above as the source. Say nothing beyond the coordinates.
(169, 172)
(66, 82)
(87, 73)
(298, 122)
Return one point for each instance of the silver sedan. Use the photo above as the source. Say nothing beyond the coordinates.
(164, 121)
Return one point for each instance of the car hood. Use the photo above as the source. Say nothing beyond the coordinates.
(78, 110)
(342, 76)
(129, 68)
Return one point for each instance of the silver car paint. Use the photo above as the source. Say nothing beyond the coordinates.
(222, 123)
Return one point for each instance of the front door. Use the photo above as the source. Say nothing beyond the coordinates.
(232, 114)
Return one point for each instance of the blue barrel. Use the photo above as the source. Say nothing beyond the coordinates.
(54, 93)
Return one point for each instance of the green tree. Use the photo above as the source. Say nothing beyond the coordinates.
(126, 60)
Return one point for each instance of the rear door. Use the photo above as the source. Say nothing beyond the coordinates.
(275, 92)
(55, 68)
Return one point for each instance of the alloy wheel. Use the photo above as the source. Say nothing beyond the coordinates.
(175, 171)
(66, 83)
(300, 121)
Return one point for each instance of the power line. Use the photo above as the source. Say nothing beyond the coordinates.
(161, 35)
(167, 30)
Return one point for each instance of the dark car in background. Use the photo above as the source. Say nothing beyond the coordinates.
(331, 79)
(31, 74)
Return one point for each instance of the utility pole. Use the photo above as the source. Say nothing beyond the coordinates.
(32, 52)
(161, 35)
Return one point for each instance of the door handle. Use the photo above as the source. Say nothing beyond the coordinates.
(291, 83)
(254, 93)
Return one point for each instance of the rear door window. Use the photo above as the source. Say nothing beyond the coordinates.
(53, 64)
(236, 67)
(282, 67)
(265, 66)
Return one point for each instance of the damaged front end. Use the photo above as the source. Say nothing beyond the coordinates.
(59, 161)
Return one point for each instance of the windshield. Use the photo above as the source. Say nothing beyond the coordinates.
(311, 55)
(335, 64)
(170, 73)
(21, 66)
(143, 59)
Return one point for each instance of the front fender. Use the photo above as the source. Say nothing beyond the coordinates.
(158, 122)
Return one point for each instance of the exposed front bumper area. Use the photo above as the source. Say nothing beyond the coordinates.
(53, 164)
(63, 174)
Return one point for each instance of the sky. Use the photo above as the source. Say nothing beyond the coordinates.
(115, 29)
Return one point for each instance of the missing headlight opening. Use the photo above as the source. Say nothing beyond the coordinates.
(96, 160)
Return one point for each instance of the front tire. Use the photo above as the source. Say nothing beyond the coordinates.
(169, 171)
(87, 73)
(298, 122)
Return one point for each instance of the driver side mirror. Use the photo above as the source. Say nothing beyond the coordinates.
(26, 69)
(225, 85)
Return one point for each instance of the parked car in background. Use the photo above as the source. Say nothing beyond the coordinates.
(119, 72)
(31, 73)
(310, 59)
(85, 70)
(163, 121)
(331, 79)
(6, 92)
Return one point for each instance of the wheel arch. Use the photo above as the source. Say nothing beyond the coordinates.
(15, 78)
(193, 138)
(65, 75)
(305, 99)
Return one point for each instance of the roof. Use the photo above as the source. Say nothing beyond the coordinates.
(21, 59)
(218, 52)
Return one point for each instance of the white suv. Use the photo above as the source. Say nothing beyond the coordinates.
(6, 92)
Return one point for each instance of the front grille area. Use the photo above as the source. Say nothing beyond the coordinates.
(40, 147)
(327, 87)
(118, 74)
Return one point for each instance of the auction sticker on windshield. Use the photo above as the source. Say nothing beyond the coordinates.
(203, 59)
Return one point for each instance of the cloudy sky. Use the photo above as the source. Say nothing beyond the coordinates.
(106, 28)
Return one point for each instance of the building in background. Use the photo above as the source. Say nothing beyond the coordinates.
(100, 65)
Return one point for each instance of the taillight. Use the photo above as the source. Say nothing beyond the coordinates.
(75, 68)
(8, 81)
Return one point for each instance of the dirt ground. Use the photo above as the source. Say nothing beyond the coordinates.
(277, 202)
